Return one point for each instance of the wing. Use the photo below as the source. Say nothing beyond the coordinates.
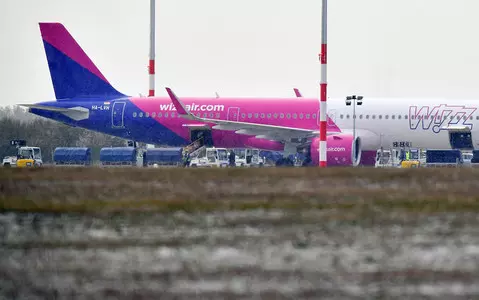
(270, 132)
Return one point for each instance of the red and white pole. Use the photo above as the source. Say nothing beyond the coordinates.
(151, 66)
(323, 88)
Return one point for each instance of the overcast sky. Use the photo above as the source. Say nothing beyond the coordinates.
(390, 48)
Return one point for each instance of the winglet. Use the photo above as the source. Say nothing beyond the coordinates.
(297, 92)
(180, 108)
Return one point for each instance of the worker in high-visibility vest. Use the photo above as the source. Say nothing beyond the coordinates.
(408, 155)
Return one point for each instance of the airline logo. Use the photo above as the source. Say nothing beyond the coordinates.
(194, 107)
(336, 149)
(435, 117)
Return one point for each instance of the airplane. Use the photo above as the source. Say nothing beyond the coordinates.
(85, 98)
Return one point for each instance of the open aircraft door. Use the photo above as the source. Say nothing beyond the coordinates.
(460, 137)
(332, 117)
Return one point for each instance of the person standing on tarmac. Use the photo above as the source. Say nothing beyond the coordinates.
(186, 158)
(232, 159)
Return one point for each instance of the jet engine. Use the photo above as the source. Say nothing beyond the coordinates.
(342, 150)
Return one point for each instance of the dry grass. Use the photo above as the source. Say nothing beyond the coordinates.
(359, 190)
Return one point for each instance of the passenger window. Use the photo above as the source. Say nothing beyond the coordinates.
(399, 116)
(347, 116)
(281, 116)
(373, 116)
(288, 115)
(166, 115)
(211, 115)
(360, 116)
(262, 115)
(275, 115)
(173, 114)
(141, 115)
(134, 115)
(386, 117)
(341, 116)
(295, 116)
(217, 115)
(256, 115)
(393, 117)
(269, 116)
(301, 115)
(477, 117)
(307, 116)
(380, 116)
(153, 114)
(250, 115)
(243, 115)
(367, 116)
(314, 116)
(147, 114)
(405, 117)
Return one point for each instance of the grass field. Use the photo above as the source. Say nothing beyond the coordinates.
(272, 233)
(358, 190)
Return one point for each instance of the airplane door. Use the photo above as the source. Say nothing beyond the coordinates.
(233, 113)
(332, 117)
(117, 114)
(318, 117)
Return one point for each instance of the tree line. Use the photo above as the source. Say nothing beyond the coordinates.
(16, 123)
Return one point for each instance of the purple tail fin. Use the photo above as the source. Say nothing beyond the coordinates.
(72, 71)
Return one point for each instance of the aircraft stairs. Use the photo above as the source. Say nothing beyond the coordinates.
(196, 147)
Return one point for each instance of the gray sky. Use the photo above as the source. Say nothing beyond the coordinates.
(411, 48)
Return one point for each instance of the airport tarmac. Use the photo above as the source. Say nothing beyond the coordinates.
(253, 254)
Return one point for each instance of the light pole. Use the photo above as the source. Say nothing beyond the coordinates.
(355, 100)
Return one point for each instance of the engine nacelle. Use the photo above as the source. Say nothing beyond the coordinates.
(340, 150)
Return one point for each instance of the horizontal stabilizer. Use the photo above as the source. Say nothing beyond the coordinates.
(76, 113)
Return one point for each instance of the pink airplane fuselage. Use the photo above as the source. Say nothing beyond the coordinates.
(288, 112)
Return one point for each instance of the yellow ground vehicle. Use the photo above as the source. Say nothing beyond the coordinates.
(27, 156)
(410, 164)
(415, 158)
